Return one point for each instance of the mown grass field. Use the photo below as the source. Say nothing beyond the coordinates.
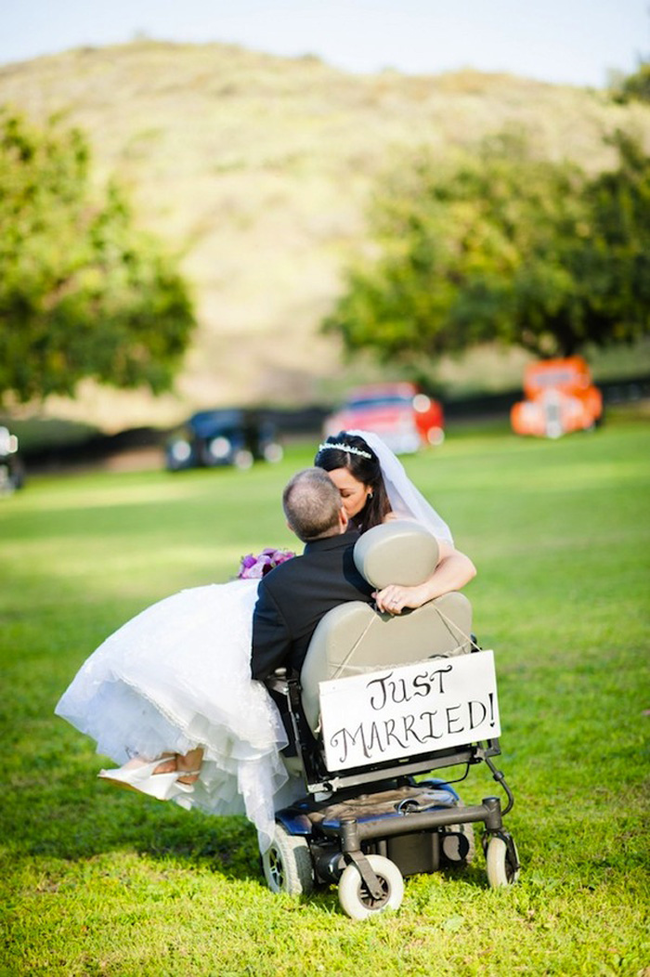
(98, 881)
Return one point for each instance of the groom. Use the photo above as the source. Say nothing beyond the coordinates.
(294, 596)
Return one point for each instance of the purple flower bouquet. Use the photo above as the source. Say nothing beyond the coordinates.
(254, 567)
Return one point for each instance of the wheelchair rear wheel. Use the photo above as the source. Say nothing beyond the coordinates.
(355, 899)
(287, 864)
(458, 845)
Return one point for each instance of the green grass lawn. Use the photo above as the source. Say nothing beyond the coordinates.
(100, 881)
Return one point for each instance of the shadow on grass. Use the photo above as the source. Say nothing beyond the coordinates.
(76, 818)
(79, 820)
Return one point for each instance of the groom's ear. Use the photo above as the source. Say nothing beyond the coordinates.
(344, 519)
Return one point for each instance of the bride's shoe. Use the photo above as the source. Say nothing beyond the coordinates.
(183, 778)
(185, 762)
(143, 778)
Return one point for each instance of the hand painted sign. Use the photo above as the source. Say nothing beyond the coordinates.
(408, 710)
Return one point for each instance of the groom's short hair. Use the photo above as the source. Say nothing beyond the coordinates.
(311, 503)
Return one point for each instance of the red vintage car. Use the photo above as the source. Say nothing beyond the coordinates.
(560, 398)
(403, 416)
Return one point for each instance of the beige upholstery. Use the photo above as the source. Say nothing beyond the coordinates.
(354, 638)
(399, 552)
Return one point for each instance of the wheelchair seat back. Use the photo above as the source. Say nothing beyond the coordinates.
(354, 638)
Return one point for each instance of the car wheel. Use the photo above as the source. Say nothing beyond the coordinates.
(273, 453)
(243, 459)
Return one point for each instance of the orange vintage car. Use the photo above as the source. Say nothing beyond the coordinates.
(560, 398)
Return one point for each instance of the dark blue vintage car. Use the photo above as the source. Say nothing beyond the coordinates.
(212, 438)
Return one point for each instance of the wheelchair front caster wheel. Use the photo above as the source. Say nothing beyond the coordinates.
(501, 869)
(355, 899)
(287, 864)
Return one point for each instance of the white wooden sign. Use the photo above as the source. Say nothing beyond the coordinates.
(408, 710)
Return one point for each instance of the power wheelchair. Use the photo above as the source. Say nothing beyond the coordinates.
(381, 702)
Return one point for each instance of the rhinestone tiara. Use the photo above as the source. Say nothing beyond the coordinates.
(345, 447)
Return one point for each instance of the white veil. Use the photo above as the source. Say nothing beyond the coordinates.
(405, 500)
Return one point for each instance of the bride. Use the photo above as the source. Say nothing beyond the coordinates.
(170, 697)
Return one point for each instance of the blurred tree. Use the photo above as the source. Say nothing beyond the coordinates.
(634, 87)
(614, 265)
(82, 292)
(499, 246)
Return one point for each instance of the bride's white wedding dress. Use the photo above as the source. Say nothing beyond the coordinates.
(177, 676)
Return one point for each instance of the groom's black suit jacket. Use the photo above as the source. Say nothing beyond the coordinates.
(294, 596)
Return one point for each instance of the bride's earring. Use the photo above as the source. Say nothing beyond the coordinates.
(370, 496)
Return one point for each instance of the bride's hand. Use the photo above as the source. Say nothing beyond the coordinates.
(393, 599)
(453, 571)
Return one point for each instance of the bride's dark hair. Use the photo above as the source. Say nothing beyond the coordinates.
(364, 467)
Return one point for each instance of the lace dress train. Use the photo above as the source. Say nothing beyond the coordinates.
(177, 677)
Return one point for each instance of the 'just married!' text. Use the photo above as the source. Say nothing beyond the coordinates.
(408, 710)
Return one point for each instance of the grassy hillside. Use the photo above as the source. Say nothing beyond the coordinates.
(257, 170)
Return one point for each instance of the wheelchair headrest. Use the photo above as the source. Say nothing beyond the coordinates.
(400, 552)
